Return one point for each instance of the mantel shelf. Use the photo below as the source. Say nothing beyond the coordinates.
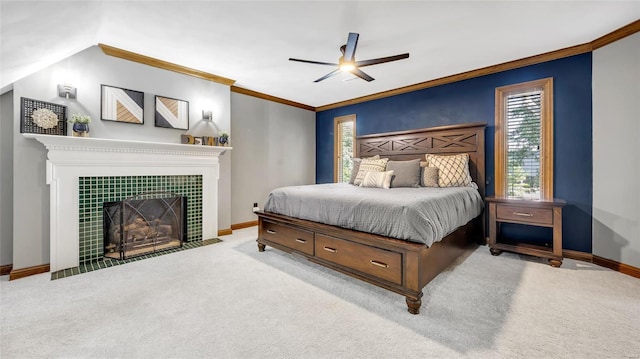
(69, 143)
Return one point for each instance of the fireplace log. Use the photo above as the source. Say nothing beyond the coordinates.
(165, 229)
(142, 233)
(135, 224)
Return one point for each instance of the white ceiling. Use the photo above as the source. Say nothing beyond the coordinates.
(251, 42)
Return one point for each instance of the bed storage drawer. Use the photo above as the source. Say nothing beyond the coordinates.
(525, 214)
(381, 263)
(288, 236)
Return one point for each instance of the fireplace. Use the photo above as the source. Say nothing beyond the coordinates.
(73, 164)
(143, 224)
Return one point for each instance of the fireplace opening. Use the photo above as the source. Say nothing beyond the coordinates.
(144, 223)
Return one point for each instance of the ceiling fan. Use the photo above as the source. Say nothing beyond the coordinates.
(348, 63)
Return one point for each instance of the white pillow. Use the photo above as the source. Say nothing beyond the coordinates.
(356, 167)
(370, 165)
(377, 179)
(453, 171)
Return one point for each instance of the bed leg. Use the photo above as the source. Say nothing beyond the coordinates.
(555, 262)
(414, 303)
(261, 247)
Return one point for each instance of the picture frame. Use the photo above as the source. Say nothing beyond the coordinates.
(192, 140)
(121, 105)
(209, 141)
(171, 113)
(28, 106)
(186, 139)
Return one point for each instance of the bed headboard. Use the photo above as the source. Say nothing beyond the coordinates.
(443, 140)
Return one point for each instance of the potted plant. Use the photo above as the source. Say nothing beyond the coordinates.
(80, 124)
(223, 139)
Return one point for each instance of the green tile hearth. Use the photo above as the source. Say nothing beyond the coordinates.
(109, 262)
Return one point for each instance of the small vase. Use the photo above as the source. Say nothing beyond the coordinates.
(223, 141)
(80, 130)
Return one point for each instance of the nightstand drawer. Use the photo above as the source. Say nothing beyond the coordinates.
(525, 214)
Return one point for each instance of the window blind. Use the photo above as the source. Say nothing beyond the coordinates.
(524, 112)
(346, 151)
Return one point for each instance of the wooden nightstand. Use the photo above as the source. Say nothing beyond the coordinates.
(528, 212)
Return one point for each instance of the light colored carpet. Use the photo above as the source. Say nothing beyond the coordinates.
(230, 301)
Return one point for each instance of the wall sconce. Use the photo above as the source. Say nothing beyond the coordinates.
(67, 91)
(207, 115)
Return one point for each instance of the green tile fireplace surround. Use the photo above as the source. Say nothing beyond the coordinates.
(94, 191)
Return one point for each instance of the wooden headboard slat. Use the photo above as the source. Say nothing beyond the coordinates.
(443, 140)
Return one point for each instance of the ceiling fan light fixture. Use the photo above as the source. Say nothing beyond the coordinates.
(347, 62)
(347, 66)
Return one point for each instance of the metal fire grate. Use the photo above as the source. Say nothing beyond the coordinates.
(135, 227)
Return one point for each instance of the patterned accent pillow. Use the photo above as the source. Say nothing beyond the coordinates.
(453, 171)
(428, 175)
(356, 167)
(377, 179)
(406, 173)
(370, 164)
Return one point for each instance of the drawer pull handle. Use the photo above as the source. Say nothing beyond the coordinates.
(300, 240)
(523, 214)
(271, 231)
(379, 264)
(329, 249)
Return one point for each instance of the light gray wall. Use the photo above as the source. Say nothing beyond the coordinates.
(616, 151)
(6, 178)
(274, 146)
(87, 70)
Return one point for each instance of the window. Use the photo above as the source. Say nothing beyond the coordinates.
(344, 130)
(524, 140)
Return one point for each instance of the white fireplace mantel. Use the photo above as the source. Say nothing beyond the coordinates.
(69, 158)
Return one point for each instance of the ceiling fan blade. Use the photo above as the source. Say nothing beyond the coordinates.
(362, 75)
(314, 62)
(350, 50)
(381, 60)
(334, 72)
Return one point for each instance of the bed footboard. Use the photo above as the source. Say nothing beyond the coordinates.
(396, 265)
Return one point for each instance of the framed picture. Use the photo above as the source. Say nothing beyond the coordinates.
(172, 113)
(42, 117)
(122, 105)
(209, 141)
(192, 140)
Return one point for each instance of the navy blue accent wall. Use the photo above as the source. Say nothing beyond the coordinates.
(473, 101)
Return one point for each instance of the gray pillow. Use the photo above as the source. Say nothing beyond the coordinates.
(405, 173)
(355, 169)
(429, 177)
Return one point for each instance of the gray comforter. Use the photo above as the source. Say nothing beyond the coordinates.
(422, 215)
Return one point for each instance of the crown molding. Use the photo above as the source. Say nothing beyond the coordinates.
(616, 35)
(150, 61)
(264, 96)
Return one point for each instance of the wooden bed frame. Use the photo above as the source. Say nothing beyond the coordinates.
(396, 265)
